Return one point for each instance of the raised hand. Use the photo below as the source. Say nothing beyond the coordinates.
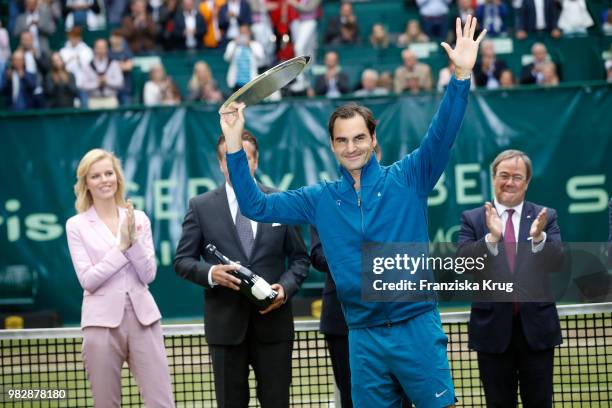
(127, 233)
(466, 49)
(494, 223)
(232, 125)
(537, 226)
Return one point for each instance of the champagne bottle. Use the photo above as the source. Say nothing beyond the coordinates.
(253, 286)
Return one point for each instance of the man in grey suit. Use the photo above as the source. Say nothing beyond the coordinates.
(38, 20)
(237, 333)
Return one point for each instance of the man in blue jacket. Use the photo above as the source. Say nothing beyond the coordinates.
(391, 344)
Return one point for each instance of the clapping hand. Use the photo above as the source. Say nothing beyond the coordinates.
(127, 233)
(466, 49)
(537, 227)
(494, 223)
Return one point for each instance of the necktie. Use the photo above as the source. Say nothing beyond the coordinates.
(245, 233)
(510, 247)
(510, 241)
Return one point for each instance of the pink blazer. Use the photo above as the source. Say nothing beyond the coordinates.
(107, 274)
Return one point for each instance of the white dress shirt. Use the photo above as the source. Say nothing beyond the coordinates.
(540, 14)
(233, 206)
(516, 223)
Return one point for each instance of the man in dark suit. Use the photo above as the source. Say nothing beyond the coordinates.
(515, 341)
(237, 333)
(333, 83)
(539, 16)
(189, 27)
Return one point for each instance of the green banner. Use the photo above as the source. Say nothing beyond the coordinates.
(168, 156)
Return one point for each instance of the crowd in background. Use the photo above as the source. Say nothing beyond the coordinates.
(255, 35)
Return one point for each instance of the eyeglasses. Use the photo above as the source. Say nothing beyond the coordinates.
(517, 178)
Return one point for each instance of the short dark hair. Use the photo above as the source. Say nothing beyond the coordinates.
(246, 137)
(349, 111)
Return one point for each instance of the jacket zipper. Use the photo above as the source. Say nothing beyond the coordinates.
(361, 211)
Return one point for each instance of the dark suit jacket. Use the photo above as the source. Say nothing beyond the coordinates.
(490, 326)
(25, 98)
(178, 32)
(481, 78)
(527, 15)
(245, 17)
(279, 256)
(342, 82)
(332, 317)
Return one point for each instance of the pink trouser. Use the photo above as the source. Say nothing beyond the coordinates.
(105, 349)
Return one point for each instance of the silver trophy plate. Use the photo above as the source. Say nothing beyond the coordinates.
(269, 82)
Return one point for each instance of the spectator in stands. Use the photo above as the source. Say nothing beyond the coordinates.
(369, 85)
(410, 66)
(167, 14)
(347, 22)
(413, 34)
(506, 79)
(102, 78)
(333, 83)
(5, 50)
(282, 16)
(538, 16)
(532, 72)
(115, 11)
(549, 74)
(574, 17)
(606, 21)
(444, 77)
(38, 20)
(19, 85)
(202, 86)
(244, 56)
(189, 27)
(488, 70)
(434, 17)
(60, 85)
(139, 29)
(77, 55)
(35, 64)
(120, 52)
(385, 81)
(464, 9)
(304, 28)
(304, 37)
(159, 89)
(81, 13)
(491, 15)
(262, 29)
(379, 38)
(209, 9)
(233, 15)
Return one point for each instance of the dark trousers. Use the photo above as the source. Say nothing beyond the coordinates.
(338, 347)
(271, 363)
(502, 373)
(339, 355)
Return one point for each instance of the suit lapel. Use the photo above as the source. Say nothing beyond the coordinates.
(99, 227)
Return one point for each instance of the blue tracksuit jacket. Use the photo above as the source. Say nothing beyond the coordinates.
(391, 207)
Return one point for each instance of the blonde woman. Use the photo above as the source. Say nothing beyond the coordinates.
(202, 85)
(111, 247)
